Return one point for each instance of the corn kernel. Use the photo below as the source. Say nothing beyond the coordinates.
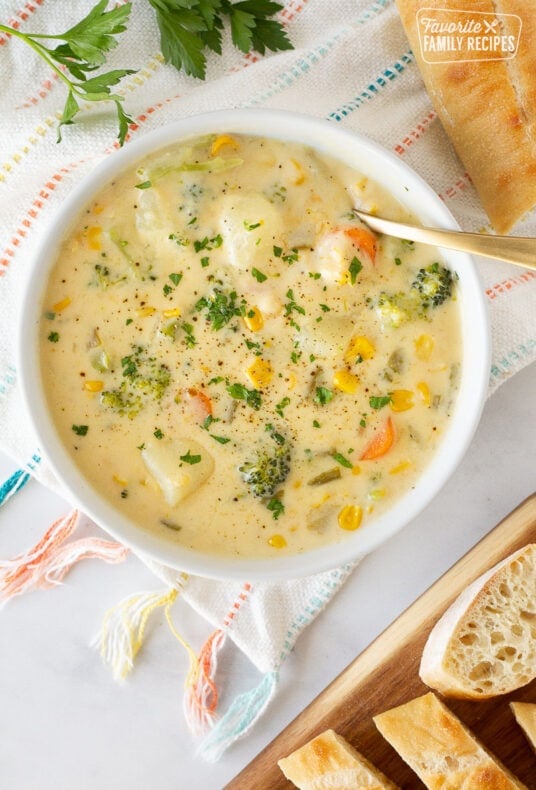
(424, 345)
(345, 381)
(219, 142)
(59, 306)
(403, 466)
(173, 312)
(98, 208)
(300, 178)
(350, 517)
(253, 319)
(376, 494)
(277, 542)
(94, 237)
(144, 312)
(424, 392)
(292, 381)
(119, 480)
(260, 372)
(93, 385)
(356, 470)
(359, 346)
(401, 400)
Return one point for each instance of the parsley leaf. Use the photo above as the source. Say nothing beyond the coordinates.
(323, 395)
(379, 401)
(82, 49)
(190, 459)
(276, 507)
(240, 392)
(342, 460)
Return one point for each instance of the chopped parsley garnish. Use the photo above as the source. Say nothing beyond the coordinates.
(179, 239)
(175, 277)
(220, 439)
(316, 424)
(240, 392)
(54, 337)
(220, 307)
(288, 257)
(291, 305)
(259, 276)
(398, 262)
(282, 405)
(158, 434)
(354, 269)
(190, 459)
(379, 401)
(208, 244)
(80, 430)
(144, 185)
(323, 395)
(276, 507)
(189, 337)
(251, 225)
(205, 261)
(325, 308)
(342, 460)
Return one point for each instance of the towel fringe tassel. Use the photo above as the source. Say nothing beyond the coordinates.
(201, 694)
(240, 717)
(46, 564)
(15, 483)
(123, 628)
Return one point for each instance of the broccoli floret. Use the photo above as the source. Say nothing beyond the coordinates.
(268, 470)
(143, 378)
(434, 285)
(431, 287)
(396, 309)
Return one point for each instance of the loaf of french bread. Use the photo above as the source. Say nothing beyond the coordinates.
(487, 106)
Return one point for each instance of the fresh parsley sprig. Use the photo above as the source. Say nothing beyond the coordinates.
(188, 28)
(82, 51)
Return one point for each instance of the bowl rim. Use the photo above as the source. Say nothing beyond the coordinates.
(386, 169)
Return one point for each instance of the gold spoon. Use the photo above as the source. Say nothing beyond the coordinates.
(518, 250)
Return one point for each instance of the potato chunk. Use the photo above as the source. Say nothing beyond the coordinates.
(179, 466)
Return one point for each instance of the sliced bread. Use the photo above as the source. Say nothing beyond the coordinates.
(329, 762)
(444, 754)
(525, 713)
(485, 643)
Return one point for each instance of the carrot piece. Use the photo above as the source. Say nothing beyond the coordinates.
(381, 442)
(364, 239)
(200, 403)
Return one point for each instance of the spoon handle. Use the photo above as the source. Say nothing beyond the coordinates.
(518, 250)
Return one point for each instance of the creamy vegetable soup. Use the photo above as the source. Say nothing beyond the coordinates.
(234, 360)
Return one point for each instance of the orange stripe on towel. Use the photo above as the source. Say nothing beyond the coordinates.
(505, 286)
(416, 133)
(21, 16)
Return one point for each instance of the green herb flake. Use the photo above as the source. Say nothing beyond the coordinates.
(240, 392)
(323, 396)
(208, 244)
(175, 277)
(278, 251)
(54, 337)
(80, 430)
(251, 225)
(398, 262)
(128, 321)
(379, 401)
(158, 434)
(282, 405)
(354, 269)
(220, 439)
(205, 261)
(50, 315)
(316, 424)
(259, 276)
(190, 459)
(276, 507)
(144, 185)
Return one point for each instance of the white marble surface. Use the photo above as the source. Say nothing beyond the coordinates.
(65, 724)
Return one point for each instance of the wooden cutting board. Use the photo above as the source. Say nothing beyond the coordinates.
(386, 675)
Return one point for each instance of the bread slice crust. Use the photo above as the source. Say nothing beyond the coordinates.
(525, 715)
(329, 762)
(444, 754)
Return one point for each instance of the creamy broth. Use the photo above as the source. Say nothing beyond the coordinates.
(219, 305)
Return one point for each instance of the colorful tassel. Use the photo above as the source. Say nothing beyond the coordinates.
(201, 696)
(25, 571)
(123, 628)
(47, 563)
(241, 716)
(15, 483)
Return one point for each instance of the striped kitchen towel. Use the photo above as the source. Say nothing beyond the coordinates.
(351, 65)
